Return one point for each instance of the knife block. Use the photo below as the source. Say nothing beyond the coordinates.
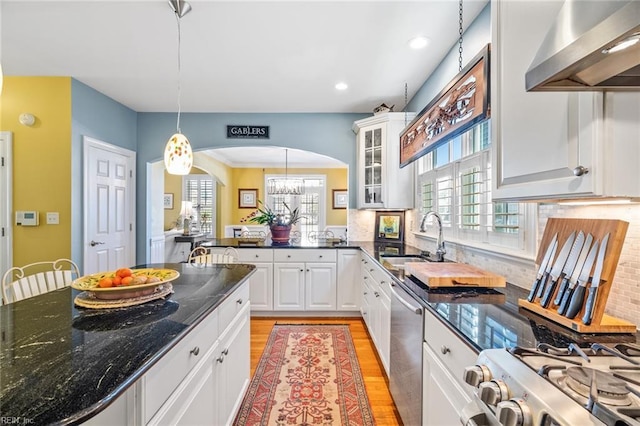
(601, 322)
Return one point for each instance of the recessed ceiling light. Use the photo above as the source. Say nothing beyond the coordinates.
(341, 86)
(418, 42)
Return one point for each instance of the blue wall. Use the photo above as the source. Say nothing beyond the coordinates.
(475, 38)
(327, 134)
(98, 116)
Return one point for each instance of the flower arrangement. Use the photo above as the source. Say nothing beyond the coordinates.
(266, 216)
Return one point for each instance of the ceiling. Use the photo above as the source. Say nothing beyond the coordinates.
(236, 56)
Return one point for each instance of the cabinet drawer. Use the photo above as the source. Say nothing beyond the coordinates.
(305, 255)
(161, 380)
(448, 347)
(255, 255)
(231, 306)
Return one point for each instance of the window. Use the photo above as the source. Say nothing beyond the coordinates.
(312, 204)
(200, 191)
(455, 181)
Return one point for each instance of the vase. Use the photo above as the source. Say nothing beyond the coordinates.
(280, 234)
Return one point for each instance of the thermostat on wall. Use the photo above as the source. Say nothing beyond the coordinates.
(27, 218)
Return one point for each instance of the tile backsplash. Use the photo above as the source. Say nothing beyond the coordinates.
(624, 297)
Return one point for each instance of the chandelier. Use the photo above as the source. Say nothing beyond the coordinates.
(286, 186)
(178, 156)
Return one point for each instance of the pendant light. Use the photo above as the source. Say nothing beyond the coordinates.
(178, 156)
(276, 186)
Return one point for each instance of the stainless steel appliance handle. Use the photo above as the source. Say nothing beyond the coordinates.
(408, 305)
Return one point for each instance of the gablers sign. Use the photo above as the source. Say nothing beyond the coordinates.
(247, 132)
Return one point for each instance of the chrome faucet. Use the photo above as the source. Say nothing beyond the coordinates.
(440, 250)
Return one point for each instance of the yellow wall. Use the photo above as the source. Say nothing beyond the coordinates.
(41, 163)
(229, 213)
(254, 178)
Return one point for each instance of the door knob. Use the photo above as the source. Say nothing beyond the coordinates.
(580, 171)
(95, 243)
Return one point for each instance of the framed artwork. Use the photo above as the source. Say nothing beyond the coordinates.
(340, 198)
(389, 226)
(463, 103)
(168, 201)
(248, 198)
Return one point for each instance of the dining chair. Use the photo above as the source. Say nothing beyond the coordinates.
(315, 236)
(204, 256)
(22, 282)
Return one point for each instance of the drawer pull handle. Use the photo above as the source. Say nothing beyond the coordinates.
(365, 293)
(225, 352)
(239, 301)
(257, 256)
(301, 270)
(371, 270)
(376, 293)
(220, 359)
(288, 256)
(195, 351)
(320, 256)
(445, 350)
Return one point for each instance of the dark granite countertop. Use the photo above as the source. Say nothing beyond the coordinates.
(61, 364)
(489, 318)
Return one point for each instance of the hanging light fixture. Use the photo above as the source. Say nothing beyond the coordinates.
(278, 186)
(178, 156)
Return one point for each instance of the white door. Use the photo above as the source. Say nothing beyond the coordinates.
(6, 173)
(109, 206)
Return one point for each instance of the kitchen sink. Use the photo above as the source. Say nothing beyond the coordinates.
(397, 262)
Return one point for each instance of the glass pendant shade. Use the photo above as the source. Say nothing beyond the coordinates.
(178, 157)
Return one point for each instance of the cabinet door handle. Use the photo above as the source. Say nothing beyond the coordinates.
(444, 350)
(220, 359)
(288, 256)
(376, 293)
(239, 301)
(257, 256)
(301, 270)
(365, 293)
(195, 351)
(320, 256)
(371, 270)
(225, 352)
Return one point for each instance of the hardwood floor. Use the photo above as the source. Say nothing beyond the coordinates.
(376, 382)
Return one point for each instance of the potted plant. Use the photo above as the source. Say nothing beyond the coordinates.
(279, 223)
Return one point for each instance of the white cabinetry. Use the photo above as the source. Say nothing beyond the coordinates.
(204, 378)
(261, 282)
(304, 279)
(348, 297)
(379, 172)
(539, 138)
(376, 306)
(445, 357)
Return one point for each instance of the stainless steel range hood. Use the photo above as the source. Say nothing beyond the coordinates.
(573, 55)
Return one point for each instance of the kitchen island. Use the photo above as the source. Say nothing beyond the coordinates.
(62, 364)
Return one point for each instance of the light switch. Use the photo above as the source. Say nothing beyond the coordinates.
(53, 218)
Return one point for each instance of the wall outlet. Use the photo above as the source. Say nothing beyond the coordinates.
(53, 218)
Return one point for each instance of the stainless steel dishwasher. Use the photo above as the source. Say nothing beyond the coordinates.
(405, 359)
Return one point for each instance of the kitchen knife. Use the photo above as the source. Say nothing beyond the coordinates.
(546, 263)
(569, 283)
(554, 275)
(577, 298)
(595, 283)
(576, 259)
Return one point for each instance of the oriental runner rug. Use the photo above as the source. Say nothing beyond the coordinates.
(307, 375)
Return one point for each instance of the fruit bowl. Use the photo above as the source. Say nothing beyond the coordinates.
(89, 283)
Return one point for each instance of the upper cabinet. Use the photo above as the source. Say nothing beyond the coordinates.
(381, 181)
(554, 145)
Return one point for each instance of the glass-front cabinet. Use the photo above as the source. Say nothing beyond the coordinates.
(381, 181)
(373, 166)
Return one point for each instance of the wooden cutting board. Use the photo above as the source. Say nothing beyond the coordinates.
(453, 275)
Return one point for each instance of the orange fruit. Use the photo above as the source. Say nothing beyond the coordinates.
(117, 281)
(105, 282)
(123, 272)
(127, 280)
